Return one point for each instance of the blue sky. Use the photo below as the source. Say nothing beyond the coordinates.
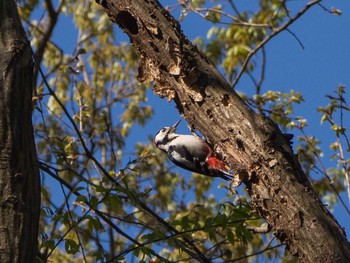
(315, 71)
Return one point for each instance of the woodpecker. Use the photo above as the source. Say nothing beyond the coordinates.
(190, 152)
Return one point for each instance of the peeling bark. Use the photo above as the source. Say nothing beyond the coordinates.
(19, 174)
(249, 143)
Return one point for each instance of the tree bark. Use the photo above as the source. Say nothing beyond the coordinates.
(250, 143)
(19, 174)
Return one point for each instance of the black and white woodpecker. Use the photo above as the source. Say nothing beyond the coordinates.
(191, 153)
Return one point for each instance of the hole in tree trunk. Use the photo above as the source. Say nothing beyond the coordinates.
(127, 22)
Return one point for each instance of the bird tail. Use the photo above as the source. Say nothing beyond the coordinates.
(219, 168)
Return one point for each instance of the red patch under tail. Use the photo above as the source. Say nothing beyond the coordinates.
(216, 164)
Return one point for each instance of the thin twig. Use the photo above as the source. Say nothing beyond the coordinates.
(73, 226)
(296, 38)
(267, 248)
(324, 172)
(238, 22)
(99, 213)
(268, 38)
(263, 68)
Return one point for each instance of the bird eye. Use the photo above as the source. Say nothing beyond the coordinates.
(162, 130)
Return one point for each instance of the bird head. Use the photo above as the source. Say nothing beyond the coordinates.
(165, 135)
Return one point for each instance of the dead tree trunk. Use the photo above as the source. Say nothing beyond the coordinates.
(249, 142)
(19, 174)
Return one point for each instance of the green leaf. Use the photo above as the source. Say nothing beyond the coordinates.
(79, 188)
(48, 244)
(221, 219)
(230, 237)
(71, 246)
(82, 199)
(208, 222)
(214, 15)
(94, 202)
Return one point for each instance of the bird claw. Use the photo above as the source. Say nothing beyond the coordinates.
(236, 181)
(193, 131)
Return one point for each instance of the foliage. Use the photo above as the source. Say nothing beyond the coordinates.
(101, 202)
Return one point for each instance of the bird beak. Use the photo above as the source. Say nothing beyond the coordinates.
(175, 124)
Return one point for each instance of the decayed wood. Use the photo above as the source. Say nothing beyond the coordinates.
(250, 143)
(19, 174)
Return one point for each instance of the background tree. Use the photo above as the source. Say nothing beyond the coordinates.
(19, 174)
(88, 102)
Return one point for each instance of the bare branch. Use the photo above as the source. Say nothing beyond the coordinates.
(268, 38)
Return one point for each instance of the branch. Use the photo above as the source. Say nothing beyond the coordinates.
(267, 248)
(91, 208)
(238, 21)
(45, 37)
(268, 38)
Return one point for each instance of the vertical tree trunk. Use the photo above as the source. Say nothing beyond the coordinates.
(19, 174)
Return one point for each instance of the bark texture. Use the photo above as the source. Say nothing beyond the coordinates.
(250, 143)
(19, 174)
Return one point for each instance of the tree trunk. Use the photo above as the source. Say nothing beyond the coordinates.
(247, 141)
(19, 174)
